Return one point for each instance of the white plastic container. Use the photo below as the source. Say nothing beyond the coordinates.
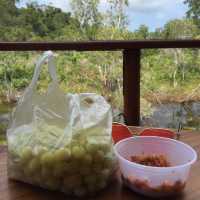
(155, 181)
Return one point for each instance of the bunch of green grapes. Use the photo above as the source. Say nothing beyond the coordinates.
(79, 168)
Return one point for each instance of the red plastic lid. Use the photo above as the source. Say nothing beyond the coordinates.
(119, 132)
(158, 132)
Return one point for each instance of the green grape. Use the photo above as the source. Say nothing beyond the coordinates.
(26, 154)
(62, 154)
(105, 146)
(16, 165)
(98, 157)
(84, 170)
(82, 141)
(46, 172)
(109, 161)
(105, 173)
(60, 168)
(90, 179)
(13, 152)
(37, 179)
(27, 172)
(101, 184)
(16, 170)
(73, 180)
(78, 152)
(39, 151)
(97, 167)
(34, 165)
(69, 167)
(87, 159)
(47, 159)
(91, 148)
(79, 191)
(52, 183)
(67, 186)
(72, 166)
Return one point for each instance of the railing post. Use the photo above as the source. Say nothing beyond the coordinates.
(131, 86)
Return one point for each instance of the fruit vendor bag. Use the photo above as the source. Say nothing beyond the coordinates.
(60, 141)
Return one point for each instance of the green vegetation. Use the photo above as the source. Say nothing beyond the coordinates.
(194, 10)
(167, 75)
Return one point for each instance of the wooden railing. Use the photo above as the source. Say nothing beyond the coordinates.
(131, 62)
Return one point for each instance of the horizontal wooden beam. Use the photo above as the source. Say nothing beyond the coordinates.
(98, 45)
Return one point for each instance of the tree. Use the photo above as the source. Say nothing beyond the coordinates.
(142, 32)
(194, 10)
(8, 12)
(180, 29)
(116, 13)
(86, 12)
(43, 21)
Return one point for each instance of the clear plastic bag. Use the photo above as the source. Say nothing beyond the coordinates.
(61, 141)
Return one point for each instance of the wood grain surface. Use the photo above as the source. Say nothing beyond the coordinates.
(13, 190)
(98, 45)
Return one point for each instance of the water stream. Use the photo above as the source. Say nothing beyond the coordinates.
(169, 115)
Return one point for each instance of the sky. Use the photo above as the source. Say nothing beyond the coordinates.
(152, 13)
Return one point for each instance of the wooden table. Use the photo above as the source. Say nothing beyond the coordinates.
(12, 190)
